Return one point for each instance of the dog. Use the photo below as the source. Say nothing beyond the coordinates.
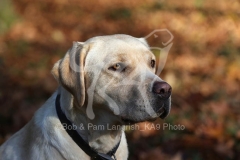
(104, 82)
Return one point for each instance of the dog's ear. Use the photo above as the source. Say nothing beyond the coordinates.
(69, 71)
(54, 70)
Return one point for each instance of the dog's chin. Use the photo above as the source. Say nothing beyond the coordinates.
(128, 121)
(162, 113)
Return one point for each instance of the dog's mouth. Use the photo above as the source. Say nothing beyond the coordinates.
(127, 121)
(162, 112)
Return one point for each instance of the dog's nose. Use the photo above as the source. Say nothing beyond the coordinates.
(163, 89)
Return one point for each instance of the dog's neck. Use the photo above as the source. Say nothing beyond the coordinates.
(102, 133)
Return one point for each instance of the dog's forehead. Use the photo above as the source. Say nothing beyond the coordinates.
(107, 47)
(117, 41)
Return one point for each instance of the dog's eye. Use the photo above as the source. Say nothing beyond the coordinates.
(152, 63)
(117, 67)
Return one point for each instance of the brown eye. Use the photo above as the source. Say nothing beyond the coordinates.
(115, 67)
(152, 63)
(118, 67)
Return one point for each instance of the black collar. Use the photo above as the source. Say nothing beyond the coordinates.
(79, 140)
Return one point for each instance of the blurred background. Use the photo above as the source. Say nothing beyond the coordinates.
(203, 66)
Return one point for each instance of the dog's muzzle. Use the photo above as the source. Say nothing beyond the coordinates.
(163, 90)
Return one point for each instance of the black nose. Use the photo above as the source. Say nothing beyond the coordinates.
(163, 89)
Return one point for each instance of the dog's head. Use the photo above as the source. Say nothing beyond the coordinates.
(115, 73)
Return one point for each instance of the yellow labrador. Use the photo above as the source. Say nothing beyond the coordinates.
(104, 83)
